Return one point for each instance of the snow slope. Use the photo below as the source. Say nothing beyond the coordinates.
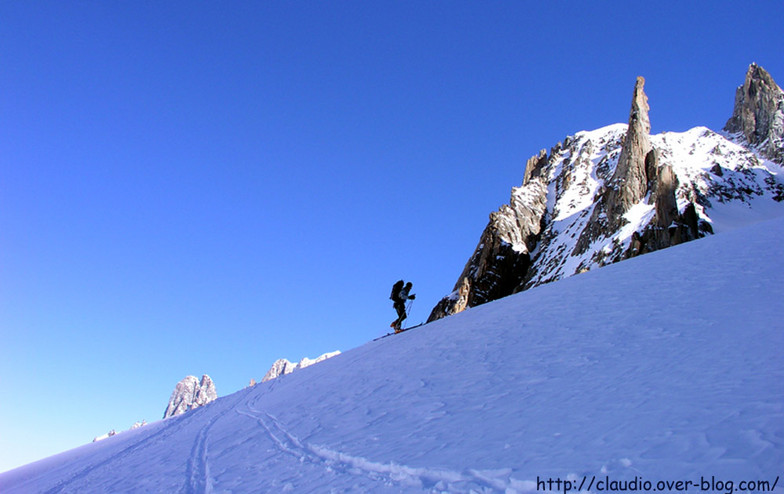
(665, 367)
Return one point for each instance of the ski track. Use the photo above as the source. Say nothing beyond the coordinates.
(197, 472)
(83, 473)
(406, 477)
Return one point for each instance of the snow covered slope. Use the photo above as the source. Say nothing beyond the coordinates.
(664, 367)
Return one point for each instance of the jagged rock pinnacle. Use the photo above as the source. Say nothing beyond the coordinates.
(758, 114)
(630, 181)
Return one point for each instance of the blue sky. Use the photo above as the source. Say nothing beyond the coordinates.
(202, 187)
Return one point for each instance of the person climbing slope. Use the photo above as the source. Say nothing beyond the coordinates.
(400, 295)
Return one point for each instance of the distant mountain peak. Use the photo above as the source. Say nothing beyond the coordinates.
(282, 366)
(190, 393)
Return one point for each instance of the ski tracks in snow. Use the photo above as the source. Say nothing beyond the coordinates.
(197, 472)
(389, 474)
(82, 474)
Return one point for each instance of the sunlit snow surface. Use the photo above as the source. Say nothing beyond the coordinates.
(667, 366)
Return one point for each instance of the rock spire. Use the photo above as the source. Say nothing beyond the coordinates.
(630, 183)
(758, 115)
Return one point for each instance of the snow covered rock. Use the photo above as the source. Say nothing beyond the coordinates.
(283, 366)
(617, 192)
(279, 367)
(189, 394)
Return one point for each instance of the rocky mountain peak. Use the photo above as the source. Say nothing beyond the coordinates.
(629, 184)
(616, 192)
(758, 115)
(190, 393)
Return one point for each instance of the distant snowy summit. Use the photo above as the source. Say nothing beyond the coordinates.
(283, 366)
(190, 393)
(617, 192)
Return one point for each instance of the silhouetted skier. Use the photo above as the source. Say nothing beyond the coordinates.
(400, 295)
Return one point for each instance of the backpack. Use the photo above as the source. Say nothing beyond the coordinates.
(396, 290)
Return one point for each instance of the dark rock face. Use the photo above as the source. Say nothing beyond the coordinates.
(606, 195)
(666, 203)
(501, 260)
(189, 394)
(758, 115)
(669, 227)
(494, 271)
(657, 234)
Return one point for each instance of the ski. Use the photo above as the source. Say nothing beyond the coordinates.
(398, 332)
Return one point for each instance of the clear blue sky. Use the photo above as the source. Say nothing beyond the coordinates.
(205, 187)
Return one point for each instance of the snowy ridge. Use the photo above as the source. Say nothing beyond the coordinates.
(113, 432)
(575, 176)
(729, 184)
(282, 366)
(566, 380)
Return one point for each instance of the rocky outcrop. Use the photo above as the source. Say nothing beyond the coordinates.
(501, 260)
(669, 226)
(617, 192)
(282, 366)
(501, 264)
(634, 175)
(279, 368)
(758, 115)
(629, 184)
(191, 393)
